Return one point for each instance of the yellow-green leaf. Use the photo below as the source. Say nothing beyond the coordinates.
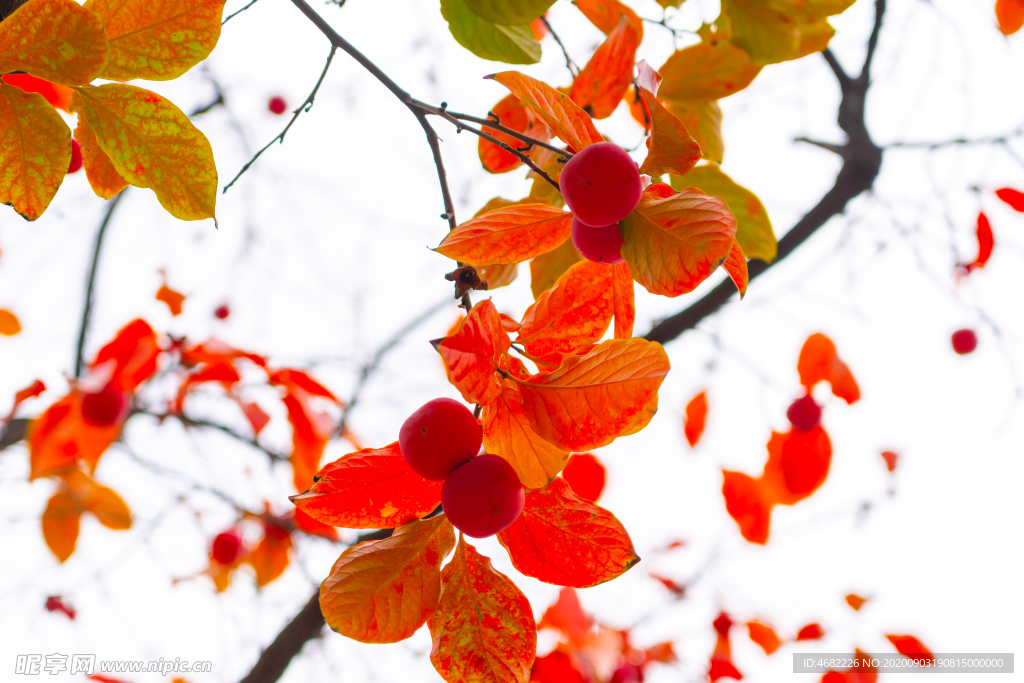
(670, 148)
(487, 40)
(35, 150)
(56, 40)
(509, 12)
(483, 630)
(706, 71)
(753, 227)
(382, 591)
(766, 29)
(157, 40)
(703, 121)
(152, 144)
(103, 177)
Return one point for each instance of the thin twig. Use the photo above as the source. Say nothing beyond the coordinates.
(574, 69)
(83, 330)
(495, 123)
(966, 142)
(235, 14)
(305, 107)
(188, 422)
(876, 29)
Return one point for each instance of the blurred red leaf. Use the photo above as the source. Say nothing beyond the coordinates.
(369, 489)
(289, 377)
(606, 15)
(55, 603)
(314, 527)
(911, 647)
(1014, 198)
(890, 460)
(257, 418)
(855, 601)
(556, 667)
(747, 502)
(311, 430)
(60, 437)
(1010, 15)
(215, 352)
(696, 414)
(31, 391)
(57, 95)
(77, 494)
(819, 362)
(134, 351)
(471, 354)
(585, 475)
(515, 115)
(721, 657)
(662, 652)
(798, 463)
(764, 635)
(986, 241)
(173, 299)
(677, 589)
(812, 631)
(562, 539)
(603, 82)
(269, 558)
(566, 615)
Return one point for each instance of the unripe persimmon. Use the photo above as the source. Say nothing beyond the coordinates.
(601, 184)
(439, 437)
(226, 548)
(804, 414)
(483, 496)
(105, 407)
(600, 245)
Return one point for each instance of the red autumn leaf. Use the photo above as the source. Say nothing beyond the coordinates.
(662, 652)
(556, 667)
(471, 355)
(55, 603)
(31, 391)
(369, 489)
(298, 378)
(1013, 198)
(509, 235)
(677, 589)
(986, 242)
(314, 527)
(508, 434)
(57, 95)
(134, 351)
(696, 416)
(562, 539)
(269, 558)
(601, 85)
(215, 352)
(819, 362)
(564, 117)
(911, 647)
(812, 631)
(256, 416)
(798, 464)
(566, 615)
(100, 678)
(670, 147)
(512, 113)
(855, 601)
(595, 396)
(311, 430)
(1010, 15)
(483, 629)
(173, 299)
(735, 265)
(60, 437)
(382, 591)
(674, 242)
(723, 668)
(223, 373)
(623, 305)
(721, 665)
(749, 503)
(574, 313)
(764, 635)
(585, 475)
(607, 14)
(890, 460)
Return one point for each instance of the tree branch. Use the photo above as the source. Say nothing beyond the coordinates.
(574, 69)
(14, 430)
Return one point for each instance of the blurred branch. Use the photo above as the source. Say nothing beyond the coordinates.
(188, 422)
(235, 14)
(574, 69)
(83, 330)
(1002, 139)
(7, 7)
(862, 160)
(14, 430)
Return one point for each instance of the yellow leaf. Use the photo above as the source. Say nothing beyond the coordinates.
(766, 29)
(157, 40)
(703, 121)
(9, 323)
(547, 268)
(57, 40)
(706, 71)
(382, 591)
(152, 144)
(103, 177)
(35, 150)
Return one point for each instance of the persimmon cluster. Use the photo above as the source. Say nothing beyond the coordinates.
(481, 494)
(601, 186)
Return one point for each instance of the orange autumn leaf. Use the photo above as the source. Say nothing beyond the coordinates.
(269, 558)
(564, 117)
(313, 527)
(607, 14)
(1010, 15)
(35, 150)
(986, 242)
(382, 591)
(603, 82)
(61, 520)
(311, 430)
(812, 631)
(890, 459)
(749, 504)
(591, 398)
(290, 377)
(78, 494)
(508, 235)
(798, 463)
(670, 149)
(9, 323)
(61, 437)
(819, 362)
(764, 635)
(213, 351)
(507, 433)
(574, 313)
(170, 297)
(709, 70)
(370, 489)
(483, 629)
(585, 475)
(673, 243)
(547, 268)
(56, 40)
(1011, 197)
(471, 355)
(511, 113)
(134, 352)
(855, 601)
(623, 306)
(104, 179)
(563, 539)
(695, 417)
(566, 615)
(257, 417)
(735, 265)
(911, 647)
(56, 94)
(721, 665)
(157, 40)
(31, 391)
(644, 418)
